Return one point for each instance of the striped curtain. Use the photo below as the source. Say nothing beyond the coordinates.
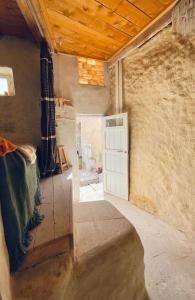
(48, 132)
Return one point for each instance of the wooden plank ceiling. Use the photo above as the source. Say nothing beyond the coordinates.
(12, 21)
(90, 28)
(99, 28)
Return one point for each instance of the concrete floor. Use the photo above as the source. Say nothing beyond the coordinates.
(169, 260)
(88, 177)
(169, 255)
(92, 192)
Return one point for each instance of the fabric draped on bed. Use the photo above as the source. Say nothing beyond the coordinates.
(19, 198)
(6, 146)
(48, 131)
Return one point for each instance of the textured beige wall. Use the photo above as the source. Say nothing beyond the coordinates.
(5, 291)
(159, 94)
(87, 99)
(20, 114)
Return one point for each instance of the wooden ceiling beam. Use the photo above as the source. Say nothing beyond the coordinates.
(101, 28)
(128, 11)
(157, 25)
(80, 33)
(35, 15)
(152, 8)
(87, 18)
(40, 12)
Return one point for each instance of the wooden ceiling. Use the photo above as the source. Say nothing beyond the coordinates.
(12, 21)
(99, 28)
(91, 28)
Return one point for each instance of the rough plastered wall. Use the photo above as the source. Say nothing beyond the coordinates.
(87, 99)
(20, 114)
(159, 94)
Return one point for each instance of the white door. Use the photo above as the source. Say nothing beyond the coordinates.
(116, 155)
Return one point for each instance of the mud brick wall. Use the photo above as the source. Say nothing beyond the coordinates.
(20, 114)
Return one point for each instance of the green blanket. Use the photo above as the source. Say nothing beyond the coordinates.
(19, 197)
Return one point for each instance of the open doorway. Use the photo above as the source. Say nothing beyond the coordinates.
(89, 151)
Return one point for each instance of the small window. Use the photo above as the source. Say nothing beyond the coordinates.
(6, 82)
(91, 71)
(114, 122)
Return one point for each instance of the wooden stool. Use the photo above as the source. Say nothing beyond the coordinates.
(61, 158)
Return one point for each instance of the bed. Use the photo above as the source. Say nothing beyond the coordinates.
(19, 198)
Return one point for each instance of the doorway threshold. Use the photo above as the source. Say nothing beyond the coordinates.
(92, 192)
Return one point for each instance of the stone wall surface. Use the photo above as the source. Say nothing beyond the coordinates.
(20, 114)
(91, 71)
(159, 94)
(86, 99)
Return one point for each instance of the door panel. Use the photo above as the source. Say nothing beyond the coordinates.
(115, 155)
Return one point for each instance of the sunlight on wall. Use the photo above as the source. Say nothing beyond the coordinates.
(91, 71)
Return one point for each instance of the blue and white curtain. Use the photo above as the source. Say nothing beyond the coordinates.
(48, 131)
